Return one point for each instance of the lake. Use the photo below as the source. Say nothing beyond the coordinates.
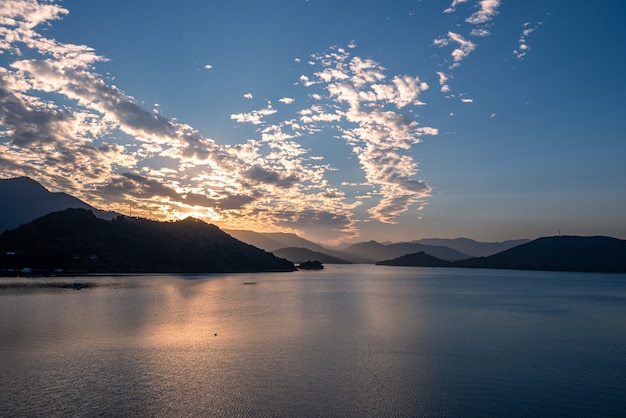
(351, 340)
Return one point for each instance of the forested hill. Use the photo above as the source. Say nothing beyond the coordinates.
(75, 241)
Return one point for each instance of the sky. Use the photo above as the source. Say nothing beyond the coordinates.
(335, 120)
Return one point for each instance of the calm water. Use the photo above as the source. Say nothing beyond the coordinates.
(347, 341)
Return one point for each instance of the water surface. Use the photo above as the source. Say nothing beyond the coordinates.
(351, 340)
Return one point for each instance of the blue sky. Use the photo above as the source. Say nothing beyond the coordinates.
(351, 120)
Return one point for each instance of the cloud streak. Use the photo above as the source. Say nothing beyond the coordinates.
(465, 47)
(523, 48)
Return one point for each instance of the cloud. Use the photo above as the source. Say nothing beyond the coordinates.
(523, 46)
(372, 124)
(467, 100)
(68, 126)
(488, 9)
(443, 79)
(208, 67)
(262, 175)
(480, 32)
(254, 117)
(137, 186)
(458, 54)
(248, 96)
(452, 7)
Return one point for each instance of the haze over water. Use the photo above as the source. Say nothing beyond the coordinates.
(352, 340)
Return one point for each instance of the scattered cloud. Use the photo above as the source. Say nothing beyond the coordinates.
(523, 46)
(69, 127)
(254, 117)
(480, 32)
(248, 96)
(488, 9)
(372, 125)
(452, 7)
(466, 100)
(465, 47)
(443, 80)
(263, 175)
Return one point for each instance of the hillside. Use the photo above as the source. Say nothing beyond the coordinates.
(299, 255)
(473, 248)
(74, 240)
(373, 251)
(562, 253)
(273, 241)
(23, 200)
(420, 259)
(567, 253)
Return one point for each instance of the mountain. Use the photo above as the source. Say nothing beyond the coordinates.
(271, 241)
(22, 200)
(473, 248)
(420, 259)
(75, 240)
(562, 253)
(373, 251)
(299, 255)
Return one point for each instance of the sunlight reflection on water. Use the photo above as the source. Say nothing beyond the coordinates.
(347, 341)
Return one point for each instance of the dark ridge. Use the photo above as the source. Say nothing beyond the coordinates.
(420, 259)
(311, 265)
(298, 255)
(22, 200)
(562, 253)
(76, 241)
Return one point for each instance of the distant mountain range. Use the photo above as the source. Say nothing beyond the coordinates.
(76, 241)
(559, 253)
(373, 251)
(473, 248)
(284, 244)
(23, 200)
(299, 255)
(293, 247)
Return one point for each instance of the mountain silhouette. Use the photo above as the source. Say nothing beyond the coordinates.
(561, 253)
(280, 241)
(473, 248)
(22, 200)
(75, 240)
(420, 259)
(299, 255)
(373, 251)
